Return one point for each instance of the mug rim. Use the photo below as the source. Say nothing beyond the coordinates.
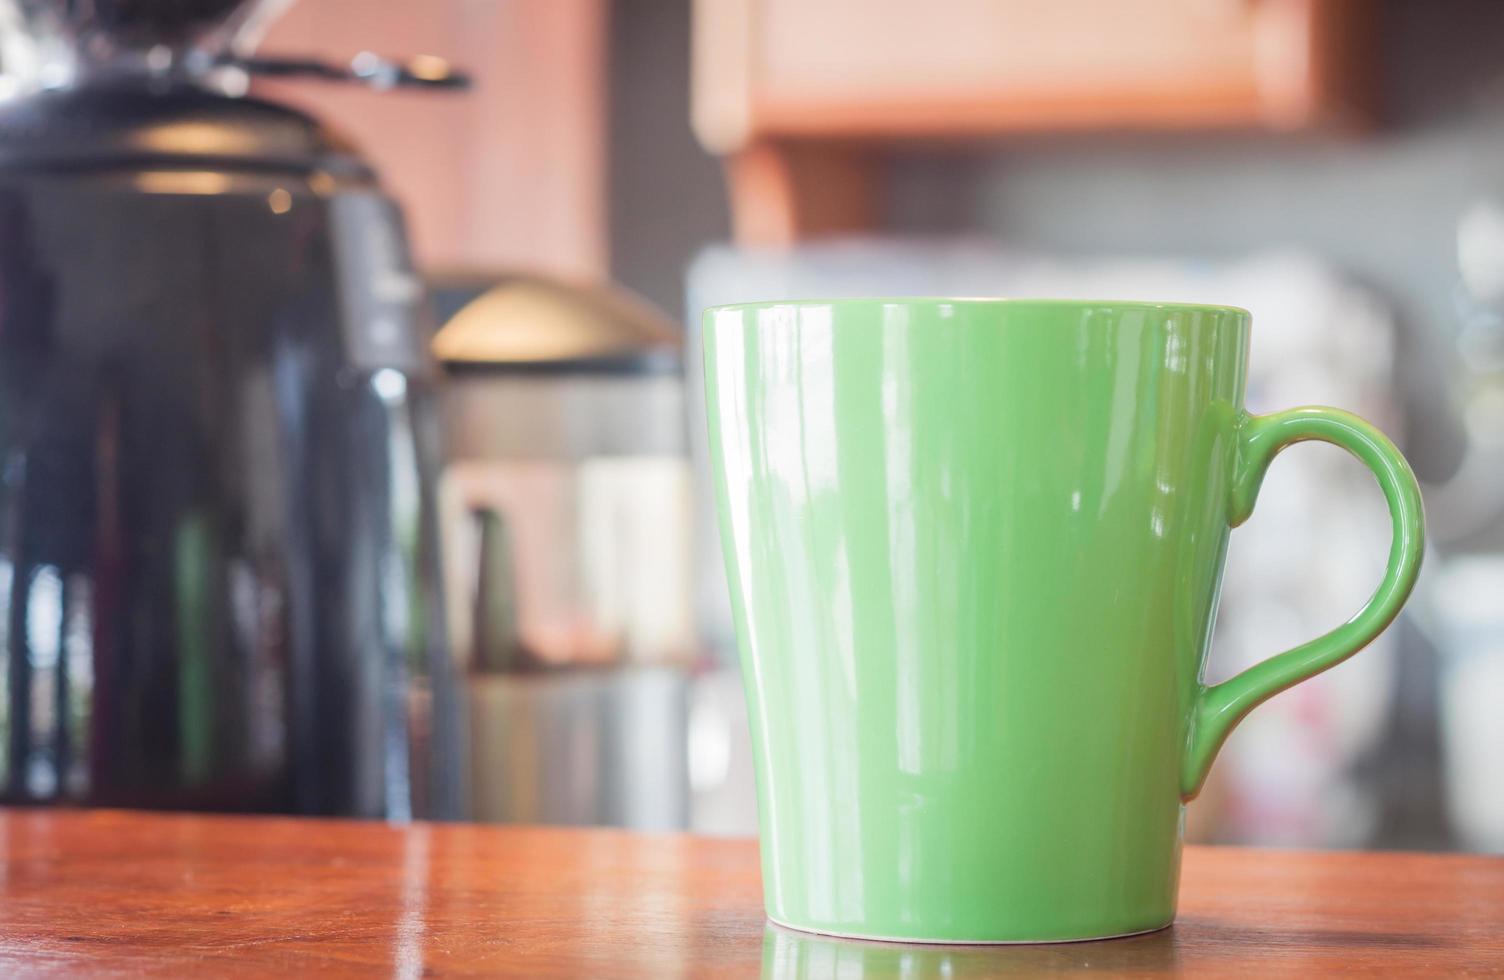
(986, 301)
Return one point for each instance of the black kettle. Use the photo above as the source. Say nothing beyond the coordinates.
(219, 575)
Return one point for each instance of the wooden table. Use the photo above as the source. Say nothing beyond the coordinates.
(112, 892)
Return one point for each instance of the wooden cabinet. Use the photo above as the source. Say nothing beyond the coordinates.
(795, 92)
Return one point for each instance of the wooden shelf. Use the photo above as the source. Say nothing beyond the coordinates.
(783, 88)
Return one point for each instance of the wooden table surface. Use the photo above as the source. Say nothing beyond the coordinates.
(104, 892)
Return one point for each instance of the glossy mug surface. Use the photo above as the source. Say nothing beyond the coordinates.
(974, 550)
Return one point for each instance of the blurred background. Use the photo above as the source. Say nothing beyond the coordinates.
(351, 454)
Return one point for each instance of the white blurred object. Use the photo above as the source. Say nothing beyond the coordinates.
(1307, 560)
(1469, 506)
(723, 790)
(1465, 605)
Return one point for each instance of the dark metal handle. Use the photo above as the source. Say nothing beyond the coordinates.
(423, 71)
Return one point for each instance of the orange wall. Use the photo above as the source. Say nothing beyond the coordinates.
(508, 175)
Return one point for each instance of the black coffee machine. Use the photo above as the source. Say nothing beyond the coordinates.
(219, 577)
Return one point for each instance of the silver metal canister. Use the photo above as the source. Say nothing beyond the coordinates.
(568, 516)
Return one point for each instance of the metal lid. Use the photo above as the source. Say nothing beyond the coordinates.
(531, 324)
(97, 127)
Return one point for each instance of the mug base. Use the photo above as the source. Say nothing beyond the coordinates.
(916, 941)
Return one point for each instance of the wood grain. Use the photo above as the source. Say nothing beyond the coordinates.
(102, 893)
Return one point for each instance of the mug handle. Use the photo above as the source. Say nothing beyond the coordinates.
(1260, 438)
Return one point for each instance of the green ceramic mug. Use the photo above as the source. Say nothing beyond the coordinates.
(974, 549)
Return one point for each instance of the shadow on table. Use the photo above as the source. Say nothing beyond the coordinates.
(787, 954)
